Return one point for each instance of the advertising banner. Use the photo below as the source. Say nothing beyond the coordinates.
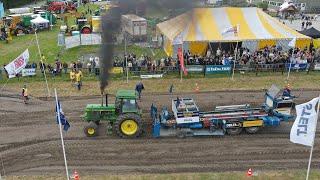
(194, 68)
(29, 72)
(148, 76)
(18, 64)
(218, 69)
(317, 67)
(297, 66)
(117, 70)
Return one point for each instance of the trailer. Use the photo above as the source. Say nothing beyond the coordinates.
(185, 118)
(134, 27)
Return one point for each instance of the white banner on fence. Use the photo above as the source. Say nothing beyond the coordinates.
(90, 39)
(29, 72)
(72, 41)
(148, 76)
(18, 64)
(317, 67)
(85, 39)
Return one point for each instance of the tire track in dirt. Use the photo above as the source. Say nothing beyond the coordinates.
(269, 149)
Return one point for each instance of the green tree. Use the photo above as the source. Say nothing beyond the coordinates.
(263, 5)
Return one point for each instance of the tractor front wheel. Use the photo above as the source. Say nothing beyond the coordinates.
(91, 129)
(128, 126)
(86, 30)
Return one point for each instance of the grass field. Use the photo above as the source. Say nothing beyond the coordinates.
(282, 175)
(37, 85)
(48, 46)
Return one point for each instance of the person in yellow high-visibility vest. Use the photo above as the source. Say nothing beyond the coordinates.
(72, 76)
(78, 79)
(25, 94)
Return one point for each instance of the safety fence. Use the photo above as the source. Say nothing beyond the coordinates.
(158, 72)
(77, 40)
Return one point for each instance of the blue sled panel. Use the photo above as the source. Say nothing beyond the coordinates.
(271, 121)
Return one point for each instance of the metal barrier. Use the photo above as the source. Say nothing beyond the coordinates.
(137, 71)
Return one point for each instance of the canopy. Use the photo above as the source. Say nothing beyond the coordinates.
(203, 25)
(39, 20)
(311, 32)
(288, 6)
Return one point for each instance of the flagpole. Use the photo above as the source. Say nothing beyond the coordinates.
(125, 52)
(180, 63)
(314, 135)
(290, 65)
(236, 52)
(61, 136)
(44, 71)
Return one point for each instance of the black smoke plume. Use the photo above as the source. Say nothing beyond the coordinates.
(110, 27)
(111, 22)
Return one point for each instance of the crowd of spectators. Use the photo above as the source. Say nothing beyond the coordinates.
(146, 63)
(266, 56)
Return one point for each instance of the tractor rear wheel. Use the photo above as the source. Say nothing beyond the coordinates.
(252, 130)
(91, 129)
(128, 126)
(234, 131)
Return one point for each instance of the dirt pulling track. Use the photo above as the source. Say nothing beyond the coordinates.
(30, 144)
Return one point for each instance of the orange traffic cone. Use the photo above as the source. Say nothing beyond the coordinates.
(197, 88)
(249, 172)
(76, 175)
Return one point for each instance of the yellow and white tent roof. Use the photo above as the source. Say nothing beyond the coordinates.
(207, 25)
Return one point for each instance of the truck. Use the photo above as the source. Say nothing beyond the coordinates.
(123, 117)
(18, 24)
(185, 119)
(134, 27)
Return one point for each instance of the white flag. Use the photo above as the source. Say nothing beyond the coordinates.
(18, 64)
(232, 29)
(304, 127)
(292, 43)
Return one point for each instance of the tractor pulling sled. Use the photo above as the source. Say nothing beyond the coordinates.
(185, 119)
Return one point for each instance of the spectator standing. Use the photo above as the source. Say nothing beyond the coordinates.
(25, 94)
(139, 88)
(65, 67)
(72, 76)
(78, 79)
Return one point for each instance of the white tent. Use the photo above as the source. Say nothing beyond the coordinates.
(288, 5)
(40, 23)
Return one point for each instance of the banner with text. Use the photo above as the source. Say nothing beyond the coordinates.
(18, 64)
(218, 69)
(29, 72)
(297, 66)
(194, 68)
(304, 127)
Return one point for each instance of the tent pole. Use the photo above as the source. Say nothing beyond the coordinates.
(235, 59)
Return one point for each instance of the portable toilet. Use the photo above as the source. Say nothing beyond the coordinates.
(26, 19)
(96, 24)
(75, 33)
(1, 10)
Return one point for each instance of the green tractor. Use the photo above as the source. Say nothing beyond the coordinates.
(123, 117)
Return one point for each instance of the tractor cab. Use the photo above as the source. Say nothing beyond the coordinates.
(126, 102)
(83, 25)
(277, 105)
